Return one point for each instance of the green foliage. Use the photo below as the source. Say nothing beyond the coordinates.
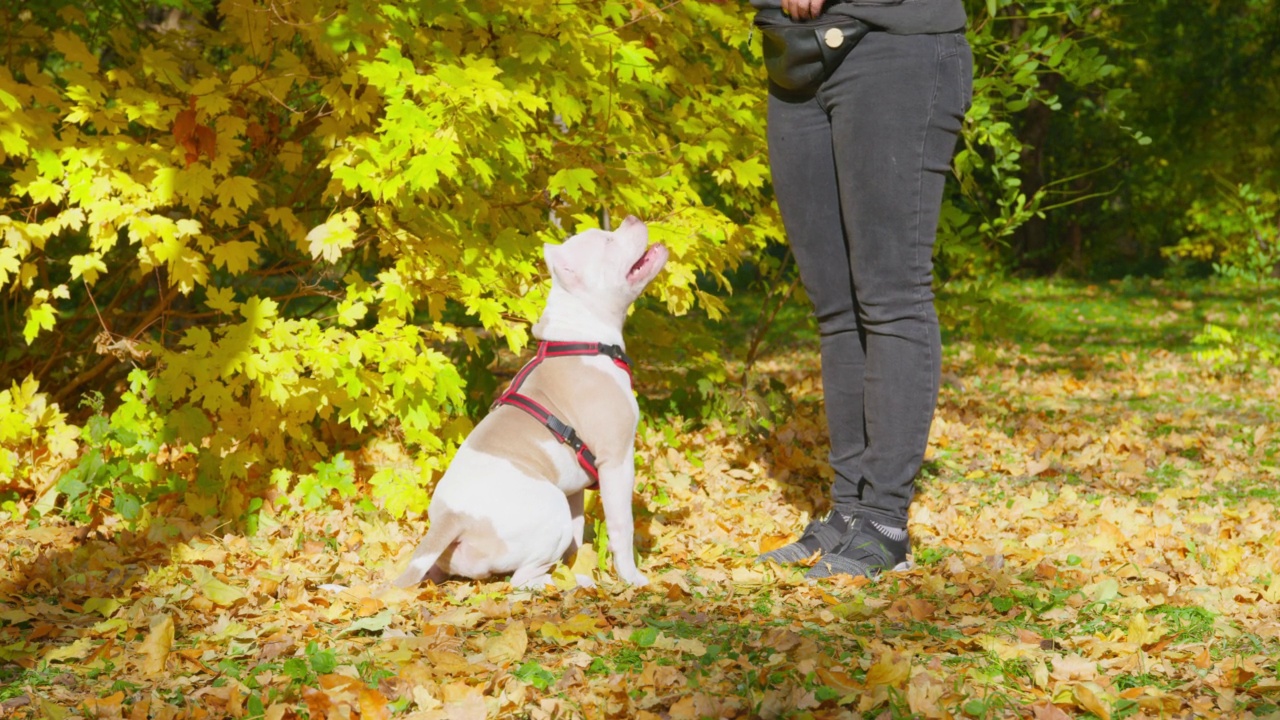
(329, 478)
(1238, 231)
(1190, 107)
(303, 670)
(403, 492)
(536, 675)
(1033, 62)
(1241, 350)
(115, 465)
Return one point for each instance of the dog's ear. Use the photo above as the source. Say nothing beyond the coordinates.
(562, 272)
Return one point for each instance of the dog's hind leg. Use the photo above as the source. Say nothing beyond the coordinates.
(578, 523)
(439, 537)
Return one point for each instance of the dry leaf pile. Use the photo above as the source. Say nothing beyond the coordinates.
(1095, 534)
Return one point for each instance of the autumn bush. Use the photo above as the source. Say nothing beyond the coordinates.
(242, 240)
(289, 216)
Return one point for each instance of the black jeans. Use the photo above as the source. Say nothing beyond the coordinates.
(858, 170)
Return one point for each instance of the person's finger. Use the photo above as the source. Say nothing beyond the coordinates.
(796, 9)
(807, 9)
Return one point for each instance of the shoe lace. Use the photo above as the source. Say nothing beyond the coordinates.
(817, 525)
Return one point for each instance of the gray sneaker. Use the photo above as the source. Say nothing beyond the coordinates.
(821, 535)
(864, 550)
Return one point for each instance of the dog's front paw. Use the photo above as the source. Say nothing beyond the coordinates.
(635, 578)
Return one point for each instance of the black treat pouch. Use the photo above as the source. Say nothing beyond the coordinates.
(799, 55)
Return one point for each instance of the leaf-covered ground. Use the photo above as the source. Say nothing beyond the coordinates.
(1095, 534)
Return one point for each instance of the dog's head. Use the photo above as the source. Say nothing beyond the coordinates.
(606, 270)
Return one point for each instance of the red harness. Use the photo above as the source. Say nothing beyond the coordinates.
(562, 431)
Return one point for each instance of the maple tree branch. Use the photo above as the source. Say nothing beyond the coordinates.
(105, 364)
(642, 18)
(763, 326)
(53, 356)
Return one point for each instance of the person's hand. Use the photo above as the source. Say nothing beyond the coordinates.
(802, 9)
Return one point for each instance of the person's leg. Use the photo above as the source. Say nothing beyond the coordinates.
(897, 104)
(804, 181)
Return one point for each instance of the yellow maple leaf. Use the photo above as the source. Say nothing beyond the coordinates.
(75, 651)
(892, 668)
(239, 191)
(923, 695)
(221, 299)
(1272, 593)
(581, 625)
(75, 50)
(214, 589)
(563, 577)
(1089, 697)
(509, 646)
(235, 255)
(586, 562)
(89, 266)
(1141, 632)
(155, 648)
(328, 239)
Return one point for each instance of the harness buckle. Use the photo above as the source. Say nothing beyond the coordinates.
(616, 354)
(567, 434)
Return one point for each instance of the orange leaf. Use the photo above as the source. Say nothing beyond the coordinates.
(206, 141)
(920, 609)
(839, 681)
(107, 708)
(340, 683)
(256, 134)
(1046, 710)
(369, 606)
(184, 126)
(1029, 637)
(318, 703)
(105, 650)
(43, 630)
(773, 542)
(373, 705)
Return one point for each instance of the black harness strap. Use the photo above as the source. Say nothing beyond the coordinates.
(561, 430)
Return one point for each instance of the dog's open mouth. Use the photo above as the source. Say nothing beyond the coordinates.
(655, 254)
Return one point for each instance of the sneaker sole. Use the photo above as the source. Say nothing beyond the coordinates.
(900, 567)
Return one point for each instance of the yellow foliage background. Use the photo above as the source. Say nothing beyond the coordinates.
(264, 233)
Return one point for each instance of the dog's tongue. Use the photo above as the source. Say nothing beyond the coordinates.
(646, 259)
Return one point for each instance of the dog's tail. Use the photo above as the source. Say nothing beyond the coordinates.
(438, 539)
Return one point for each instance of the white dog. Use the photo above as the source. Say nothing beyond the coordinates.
(511, 501)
